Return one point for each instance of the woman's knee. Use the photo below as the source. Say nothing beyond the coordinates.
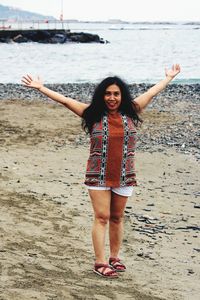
(102, 218)
(116, 218)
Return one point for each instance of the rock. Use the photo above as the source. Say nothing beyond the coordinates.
(190, 227)
(196, 249)
(190, 271)
(58, 39)
(40, 36)
(48, 36)
(146, 255)
(20, 39)
(197, 194)
(197, 206)
(184, 219)
(82, 37)
(5, 40)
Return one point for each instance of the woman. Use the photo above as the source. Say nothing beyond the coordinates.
(110, 119)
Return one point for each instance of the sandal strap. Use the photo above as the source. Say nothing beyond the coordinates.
(100, 265)
(116, 262)
(97, 266)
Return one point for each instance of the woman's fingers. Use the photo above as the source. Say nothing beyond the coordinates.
(27, 80)
(176, 67)
(29, 77)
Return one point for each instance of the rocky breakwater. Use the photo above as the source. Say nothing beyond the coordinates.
(50, 36)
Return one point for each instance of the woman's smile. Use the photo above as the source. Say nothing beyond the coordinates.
(112, 98)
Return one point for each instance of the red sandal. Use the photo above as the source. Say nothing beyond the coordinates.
(109, 274)
(117, 264)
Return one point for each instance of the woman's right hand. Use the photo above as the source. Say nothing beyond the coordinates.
(32, 83)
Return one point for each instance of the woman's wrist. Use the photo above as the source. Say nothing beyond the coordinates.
(40, 88)
(169, 77)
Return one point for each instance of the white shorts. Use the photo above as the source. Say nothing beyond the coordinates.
(125, 191)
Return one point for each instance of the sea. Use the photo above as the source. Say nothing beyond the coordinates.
(137, 52)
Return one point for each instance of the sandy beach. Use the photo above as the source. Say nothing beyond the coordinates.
(46, 216)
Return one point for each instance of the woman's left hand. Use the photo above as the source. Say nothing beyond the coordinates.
(173, 72)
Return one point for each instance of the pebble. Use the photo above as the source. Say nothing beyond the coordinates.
(197, 206)
(184, 219)
(189, 227)
(190, 271)
(146, 255)
(196, 249)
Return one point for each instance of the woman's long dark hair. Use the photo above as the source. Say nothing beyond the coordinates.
(95, 111)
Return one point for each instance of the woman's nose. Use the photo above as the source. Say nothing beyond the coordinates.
(112, 96)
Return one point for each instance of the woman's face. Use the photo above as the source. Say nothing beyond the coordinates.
(112, 98)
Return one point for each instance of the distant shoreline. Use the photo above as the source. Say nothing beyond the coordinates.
(111, 21)
(54, 24)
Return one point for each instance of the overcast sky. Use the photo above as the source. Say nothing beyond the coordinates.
(130, 10)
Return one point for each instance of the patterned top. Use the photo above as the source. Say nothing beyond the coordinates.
(112, 149)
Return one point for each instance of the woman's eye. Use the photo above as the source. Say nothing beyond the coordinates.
(109, 94)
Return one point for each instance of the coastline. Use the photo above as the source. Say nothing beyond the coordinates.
(173, 119)
(83, 91)
(46, 217)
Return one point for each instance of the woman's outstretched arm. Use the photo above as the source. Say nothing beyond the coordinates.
(75, 106)
(144, 99)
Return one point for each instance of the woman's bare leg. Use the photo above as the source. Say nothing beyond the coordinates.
(116, 225)
(101, 205)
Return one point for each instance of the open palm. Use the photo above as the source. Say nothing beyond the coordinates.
(32, 83)
(173, 71)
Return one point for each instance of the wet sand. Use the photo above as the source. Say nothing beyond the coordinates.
(46, 216)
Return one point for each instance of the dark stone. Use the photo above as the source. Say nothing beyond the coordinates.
(197, 206)
(5, 40)
(102, 41)
(48, 36)
(82, 37)
(196, 249)
(20, 39)
(189, 227)
(58, 39)
(41, 36)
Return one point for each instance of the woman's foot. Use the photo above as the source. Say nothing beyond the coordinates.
(105, 270)
(117, 265)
